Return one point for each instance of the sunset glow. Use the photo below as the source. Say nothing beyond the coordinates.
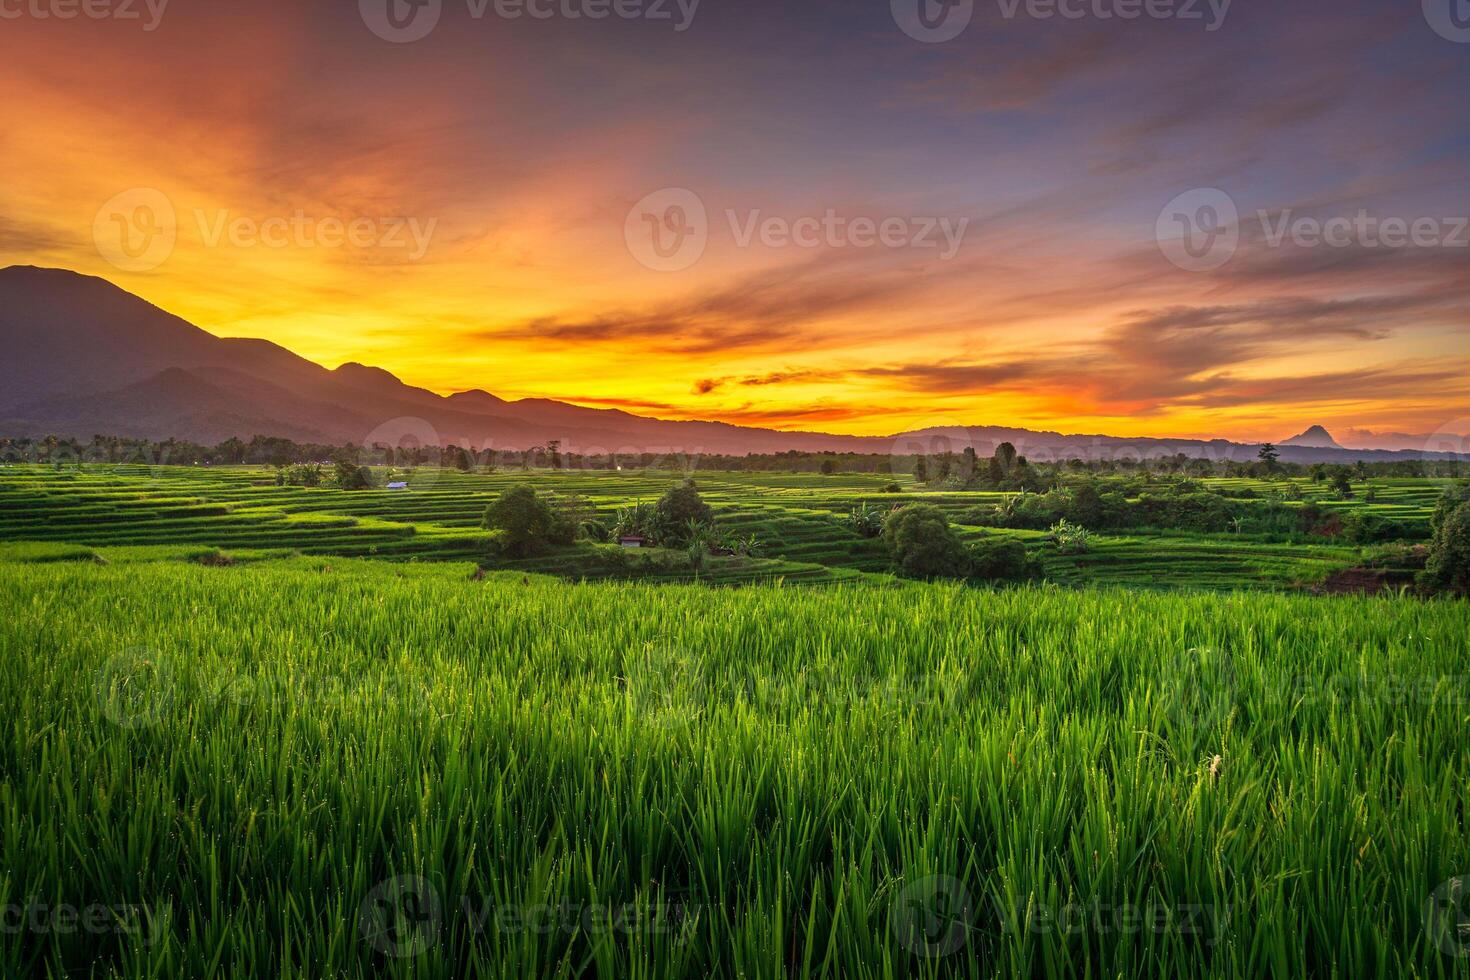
(491, 168)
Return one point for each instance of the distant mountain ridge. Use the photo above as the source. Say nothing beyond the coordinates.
(84, 357)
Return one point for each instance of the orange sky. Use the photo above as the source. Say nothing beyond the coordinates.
(517, 154)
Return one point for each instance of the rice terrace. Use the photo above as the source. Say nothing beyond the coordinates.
(735, 490)
(598, 760)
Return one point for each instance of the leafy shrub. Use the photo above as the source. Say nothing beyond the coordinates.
(677, 513)
(349, 476)
(570, 512)
(892, 488)
(864, 521)
(923, 544)
(300, 475)
(1000, 557)
(1359, 527)
(635, 520)
(526, 521)
(1071, 539)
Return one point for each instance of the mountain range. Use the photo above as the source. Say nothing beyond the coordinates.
(84, 357)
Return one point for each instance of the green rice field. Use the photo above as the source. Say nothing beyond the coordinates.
(261, 731)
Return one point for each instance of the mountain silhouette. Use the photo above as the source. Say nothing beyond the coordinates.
(84, 357)
(1314, 438)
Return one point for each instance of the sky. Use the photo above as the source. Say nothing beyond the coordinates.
(1181, 218)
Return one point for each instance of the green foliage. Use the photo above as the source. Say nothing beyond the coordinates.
(634, 520)
(1000, 557)
(527, 522)
(1449, 553)
(348, 475)
(865, 521)
(1450, 501)
(1070, 539)
(677, 512)
(892, 488)
(793, 771)
(301, 475)
(923, 545)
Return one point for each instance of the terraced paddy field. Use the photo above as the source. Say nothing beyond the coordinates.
(322, 766)
(796, 517)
